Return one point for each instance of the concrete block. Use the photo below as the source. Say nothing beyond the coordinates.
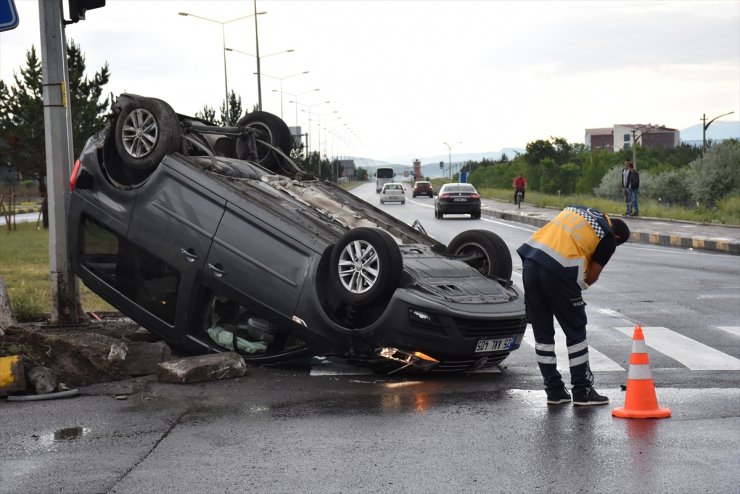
(143, 358)
(202, 368)
(43, 380)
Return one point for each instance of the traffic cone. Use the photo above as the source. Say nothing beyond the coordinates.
(640, 402)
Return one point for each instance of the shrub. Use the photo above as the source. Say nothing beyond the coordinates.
(716, 175)
(610, 187)
(669, 188)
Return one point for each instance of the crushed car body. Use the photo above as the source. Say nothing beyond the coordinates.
(214, 239)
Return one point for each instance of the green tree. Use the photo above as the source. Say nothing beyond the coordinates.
(88, 110)
(22, 111)
(235, 110)
(207, 114)
(22, 120)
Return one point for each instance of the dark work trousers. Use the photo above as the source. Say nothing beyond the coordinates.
(549, 294)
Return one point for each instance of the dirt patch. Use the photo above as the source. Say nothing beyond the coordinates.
(79, 354)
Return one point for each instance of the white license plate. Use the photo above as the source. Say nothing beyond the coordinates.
(460, 199)
(494, 345)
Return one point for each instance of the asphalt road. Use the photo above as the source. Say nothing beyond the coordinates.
(328, 427)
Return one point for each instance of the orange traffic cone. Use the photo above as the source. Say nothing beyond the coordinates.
(640, 402)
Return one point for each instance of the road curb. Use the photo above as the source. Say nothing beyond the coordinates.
(698, 243)
(714, 244)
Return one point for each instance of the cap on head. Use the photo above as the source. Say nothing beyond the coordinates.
(621, 230)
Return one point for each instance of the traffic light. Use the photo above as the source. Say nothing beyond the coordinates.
(77, 8)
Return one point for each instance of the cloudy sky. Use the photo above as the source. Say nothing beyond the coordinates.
(404, 77)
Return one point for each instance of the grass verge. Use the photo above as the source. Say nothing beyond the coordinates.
(24, 265)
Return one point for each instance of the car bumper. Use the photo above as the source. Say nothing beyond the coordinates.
(452, 208)
(448, 332)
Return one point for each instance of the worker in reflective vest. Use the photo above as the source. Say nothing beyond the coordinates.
(561, 260)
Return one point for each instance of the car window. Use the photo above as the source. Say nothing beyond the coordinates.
(458, 188)
(229, 324)
(144, 279)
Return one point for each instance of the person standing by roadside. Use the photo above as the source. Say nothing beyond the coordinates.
(560, 260)
(625, 188)
(633, 184)
(520, 183)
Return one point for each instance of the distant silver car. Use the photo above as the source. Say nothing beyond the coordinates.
(393, 192)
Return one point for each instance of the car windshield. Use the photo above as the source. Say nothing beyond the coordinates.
(393, 187)
(460, 188)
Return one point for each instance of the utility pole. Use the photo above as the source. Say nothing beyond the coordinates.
(705, 126)
(57, 124)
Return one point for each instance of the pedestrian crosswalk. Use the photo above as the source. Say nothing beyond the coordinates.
(663, 344)
(692, 354)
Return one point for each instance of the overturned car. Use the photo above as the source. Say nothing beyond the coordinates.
(214, 239)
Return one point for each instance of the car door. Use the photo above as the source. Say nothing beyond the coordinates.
(256, 261)
(176, 215)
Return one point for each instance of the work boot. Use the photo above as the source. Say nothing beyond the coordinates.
(557, 396)
(589, 396)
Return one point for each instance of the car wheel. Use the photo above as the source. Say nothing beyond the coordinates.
(271, 133)
(147, 129)
(403, 202)
(486, 251)
(366, 266)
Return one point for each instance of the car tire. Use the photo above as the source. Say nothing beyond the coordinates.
(271, 131)
(491, 254)
(357, 281)
(146, 130)
(403, 202)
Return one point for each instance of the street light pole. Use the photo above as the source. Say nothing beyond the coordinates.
(705, 126)
(308, 140)
(258, 74)
(223, 44)
(449, 158)
(257, 49)
(281, 79)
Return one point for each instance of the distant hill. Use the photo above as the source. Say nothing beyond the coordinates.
(717, 131)
(430, 164)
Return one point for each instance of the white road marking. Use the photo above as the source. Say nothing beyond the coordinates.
(731, 329)
(719, 296)
(597, 360)
(508, 224)
(691, 353)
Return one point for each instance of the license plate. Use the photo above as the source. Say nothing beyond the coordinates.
(460, 199)
(494, 345)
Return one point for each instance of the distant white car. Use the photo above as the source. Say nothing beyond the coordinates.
(392, 192)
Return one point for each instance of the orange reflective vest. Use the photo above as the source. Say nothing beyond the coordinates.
(568, 241)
